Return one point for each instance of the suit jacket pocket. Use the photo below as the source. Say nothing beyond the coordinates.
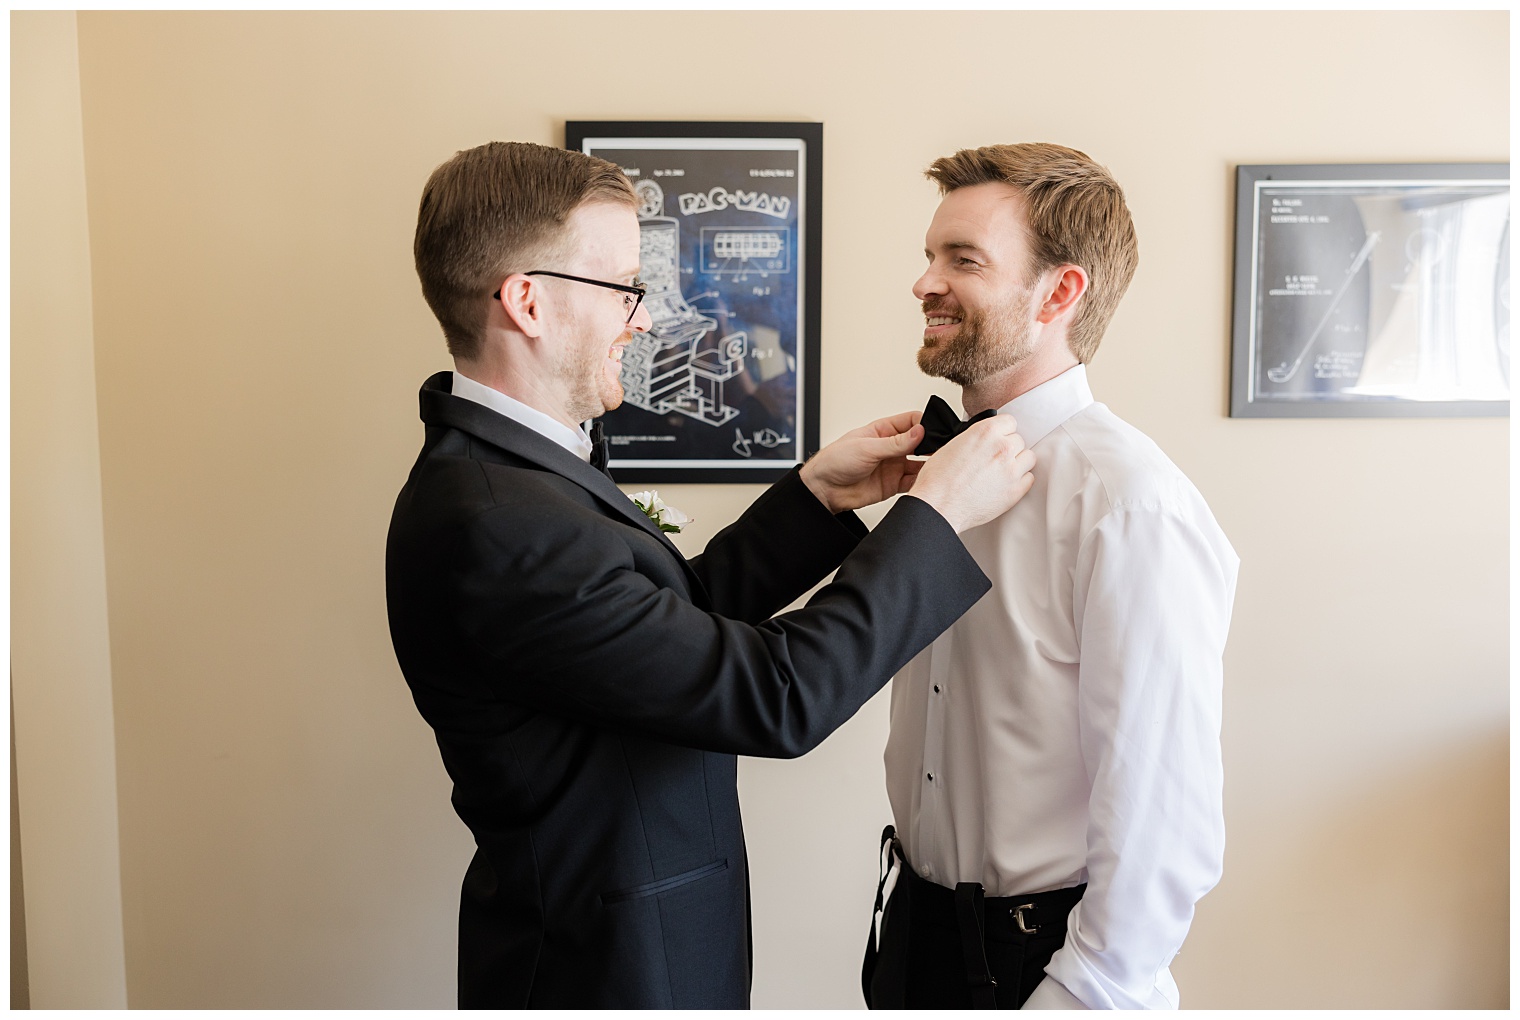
(666, 884)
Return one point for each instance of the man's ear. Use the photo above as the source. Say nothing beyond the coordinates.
(521, 299)
(1065, 286)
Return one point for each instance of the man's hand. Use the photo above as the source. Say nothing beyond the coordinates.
(867, 465)
(978, 475)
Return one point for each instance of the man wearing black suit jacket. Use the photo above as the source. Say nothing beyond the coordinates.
(588, 686)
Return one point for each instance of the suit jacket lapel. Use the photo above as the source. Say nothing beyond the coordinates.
(441, 407)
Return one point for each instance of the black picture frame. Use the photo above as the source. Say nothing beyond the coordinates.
(1371, 290)
(725, 386)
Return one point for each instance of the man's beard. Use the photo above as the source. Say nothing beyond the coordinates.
(984, 344)
(593, 393)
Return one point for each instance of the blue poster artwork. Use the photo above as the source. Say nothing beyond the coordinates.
(717, 380)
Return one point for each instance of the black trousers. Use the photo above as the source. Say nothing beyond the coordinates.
(929, 939)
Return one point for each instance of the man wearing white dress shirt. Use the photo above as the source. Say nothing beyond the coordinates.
(1054, 761)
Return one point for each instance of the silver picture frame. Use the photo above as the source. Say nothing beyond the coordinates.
(1371, 290)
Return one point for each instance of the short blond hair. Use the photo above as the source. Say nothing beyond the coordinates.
(1077, 216)
(490, 211)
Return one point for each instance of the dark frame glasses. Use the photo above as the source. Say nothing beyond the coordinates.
(637, 291)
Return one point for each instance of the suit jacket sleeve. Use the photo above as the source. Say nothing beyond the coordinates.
(752, 569)
(565, 623)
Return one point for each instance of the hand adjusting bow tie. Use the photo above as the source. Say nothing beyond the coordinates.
(941, 424)
(599, 448)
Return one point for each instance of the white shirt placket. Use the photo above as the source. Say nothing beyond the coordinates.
(933, 814)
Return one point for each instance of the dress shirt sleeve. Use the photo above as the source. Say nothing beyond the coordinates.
(1152, 593)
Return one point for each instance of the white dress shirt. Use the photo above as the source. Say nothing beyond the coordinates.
(574, 440)
(1066, 729)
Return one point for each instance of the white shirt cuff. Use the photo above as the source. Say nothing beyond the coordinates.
(1051, 994)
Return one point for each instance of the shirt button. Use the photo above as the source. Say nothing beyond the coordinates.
(926, 871)
(936, 688)
(931, 777)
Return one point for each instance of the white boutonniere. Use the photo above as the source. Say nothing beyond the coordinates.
(667, 518)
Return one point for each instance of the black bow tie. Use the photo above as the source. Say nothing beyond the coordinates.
(599, 447)
(941, 424)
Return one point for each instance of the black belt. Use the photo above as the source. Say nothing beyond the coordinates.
(977, 917)
(1004, 918)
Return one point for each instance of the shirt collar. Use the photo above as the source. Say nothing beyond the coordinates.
(574, 440)
(1043, 409)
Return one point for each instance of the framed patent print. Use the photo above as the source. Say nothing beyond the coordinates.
(1371, 290)
(723, 387)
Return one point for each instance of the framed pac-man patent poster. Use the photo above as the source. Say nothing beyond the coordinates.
(1371, 290)
(723, 386)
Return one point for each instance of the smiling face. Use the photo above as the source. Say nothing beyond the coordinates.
(604, 237)
(978, 291)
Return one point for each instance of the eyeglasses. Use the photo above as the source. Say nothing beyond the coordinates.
(637, 290)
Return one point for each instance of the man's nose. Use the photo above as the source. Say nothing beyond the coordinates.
(930, 283)
(642, 321)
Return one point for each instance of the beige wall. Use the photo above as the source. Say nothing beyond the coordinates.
(286, 838)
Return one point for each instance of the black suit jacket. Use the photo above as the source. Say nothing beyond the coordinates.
(589, 688)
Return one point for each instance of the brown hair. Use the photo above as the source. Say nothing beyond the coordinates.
(1076, 215)
(490, 211)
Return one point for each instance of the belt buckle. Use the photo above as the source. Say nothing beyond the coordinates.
(1018, 918)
